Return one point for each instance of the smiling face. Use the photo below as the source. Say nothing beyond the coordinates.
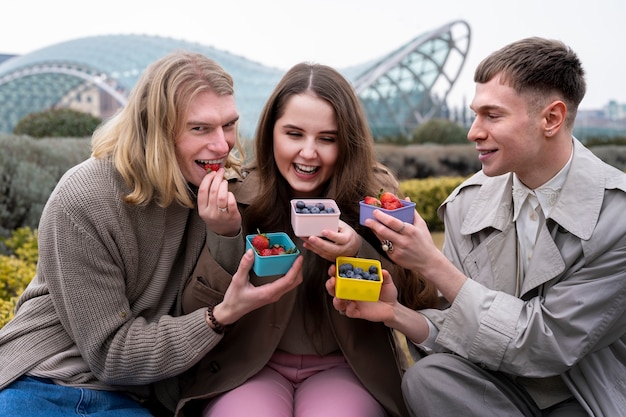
(509, 136)
(305, 144)
(208, 135)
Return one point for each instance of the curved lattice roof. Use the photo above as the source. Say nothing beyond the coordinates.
(44, 78)
(411, 84)
(399, 91)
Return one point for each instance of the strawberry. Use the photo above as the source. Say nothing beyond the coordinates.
(389, 201)
(372, 201)
(260, 242)
(211, 167)
(266, 252)
(277, 249)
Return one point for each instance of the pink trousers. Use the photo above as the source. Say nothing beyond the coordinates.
(298, 386)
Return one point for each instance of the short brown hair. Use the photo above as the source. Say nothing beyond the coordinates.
(540, 68)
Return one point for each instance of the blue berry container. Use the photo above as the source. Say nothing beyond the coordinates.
(273, 264)
(312, 224)
(406, 213)
(358, 289)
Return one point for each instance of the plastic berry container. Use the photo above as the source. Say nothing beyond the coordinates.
(312, 223)
(358, 289)
(274, 264)
(406, 213)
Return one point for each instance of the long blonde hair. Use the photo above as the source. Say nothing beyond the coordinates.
(140, 140)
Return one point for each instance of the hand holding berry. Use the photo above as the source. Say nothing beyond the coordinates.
(383, 310)
(217, 206)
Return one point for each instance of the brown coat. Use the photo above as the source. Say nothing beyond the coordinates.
(250, 343)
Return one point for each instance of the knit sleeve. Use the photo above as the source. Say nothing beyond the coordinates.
(113, 274)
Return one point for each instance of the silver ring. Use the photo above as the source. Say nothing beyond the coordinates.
(401, 228)
(223, 209)
(386, 245)
(343, 313)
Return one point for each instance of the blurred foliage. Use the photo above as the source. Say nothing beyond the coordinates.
(17, 269)
(58, 123)
(605, 141)
(428, 194)
(29, 170)
(439, 131)
(425, 161)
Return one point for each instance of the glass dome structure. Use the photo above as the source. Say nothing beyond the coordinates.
(399, 91)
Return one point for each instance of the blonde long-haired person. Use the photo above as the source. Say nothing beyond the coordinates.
(118, 237)
(299, 356)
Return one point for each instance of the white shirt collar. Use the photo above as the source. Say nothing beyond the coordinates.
(547, 194)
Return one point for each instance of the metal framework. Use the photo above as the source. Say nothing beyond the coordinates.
(412, 84)
(399, 91)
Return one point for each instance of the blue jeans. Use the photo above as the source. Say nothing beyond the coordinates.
(32, 397)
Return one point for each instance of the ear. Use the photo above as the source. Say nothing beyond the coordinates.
(554, 117)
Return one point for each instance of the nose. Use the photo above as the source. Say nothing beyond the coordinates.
(475, 132)
(218, 142)
(309, 149)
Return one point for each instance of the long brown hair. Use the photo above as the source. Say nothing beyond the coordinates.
(356, 174)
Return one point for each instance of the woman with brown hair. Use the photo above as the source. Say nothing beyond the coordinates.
(298, 356)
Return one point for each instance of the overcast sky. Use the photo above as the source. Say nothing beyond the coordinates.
(339, 33)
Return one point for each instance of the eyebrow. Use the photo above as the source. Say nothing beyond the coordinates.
(326, 132)
(487, 107)
(203, 123)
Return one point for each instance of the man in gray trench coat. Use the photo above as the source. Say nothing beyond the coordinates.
(533, 269)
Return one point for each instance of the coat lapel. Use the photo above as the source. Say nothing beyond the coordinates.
(548, 265)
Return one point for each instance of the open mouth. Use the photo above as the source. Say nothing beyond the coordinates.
(305, 169)
(209, 165)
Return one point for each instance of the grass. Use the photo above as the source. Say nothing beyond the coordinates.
(438, 238)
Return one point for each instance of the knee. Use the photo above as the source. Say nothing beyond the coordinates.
(427, 374)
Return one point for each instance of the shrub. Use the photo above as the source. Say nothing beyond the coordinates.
(425, 161)
(16, 269)
(439, 131)
(614, 155)
(29, 171)
(428, 194)
(57, 123)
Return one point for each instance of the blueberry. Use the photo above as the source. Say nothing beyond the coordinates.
(315, 210)
(320, 206)
(373, 269)
(300, 204)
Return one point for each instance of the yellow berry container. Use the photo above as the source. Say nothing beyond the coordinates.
(358, 289)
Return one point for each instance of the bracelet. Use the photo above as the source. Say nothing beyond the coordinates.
(217, 326)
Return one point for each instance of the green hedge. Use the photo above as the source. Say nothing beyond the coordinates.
(428, 194)
(16, 269)
(58, 123)
(29, 170)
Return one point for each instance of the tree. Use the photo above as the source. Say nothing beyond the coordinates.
(57, 123)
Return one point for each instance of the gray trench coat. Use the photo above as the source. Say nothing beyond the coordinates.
(570, 316)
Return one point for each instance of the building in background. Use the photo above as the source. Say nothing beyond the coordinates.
(95, 74)
(400, 90)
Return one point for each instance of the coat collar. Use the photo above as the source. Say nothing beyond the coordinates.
(577, 209)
